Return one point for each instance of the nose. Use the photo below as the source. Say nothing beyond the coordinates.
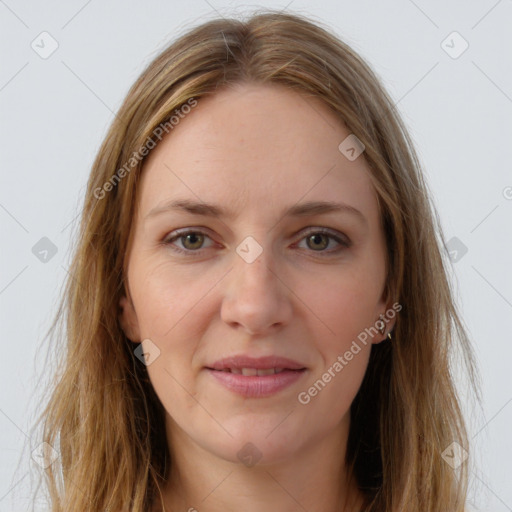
(257, 298)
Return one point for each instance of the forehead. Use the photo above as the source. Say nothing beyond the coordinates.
(253, 147)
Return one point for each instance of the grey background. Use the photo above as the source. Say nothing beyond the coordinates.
(56, 110)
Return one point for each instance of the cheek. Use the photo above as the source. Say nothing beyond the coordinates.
(345, 304)
(166, 300)
(346, 309)
(167, 305)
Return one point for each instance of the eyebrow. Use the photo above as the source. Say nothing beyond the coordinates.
(309, 208)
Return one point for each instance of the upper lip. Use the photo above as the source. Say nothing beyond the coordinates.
(259, 363)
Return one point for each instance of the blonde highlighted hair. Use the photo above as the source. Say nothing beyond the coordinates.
(102, 414)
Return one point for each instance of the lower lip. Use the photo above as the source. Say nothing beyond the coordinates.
(253, 386)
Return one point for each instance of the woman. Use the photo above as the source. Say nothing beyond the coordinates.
(259, 315)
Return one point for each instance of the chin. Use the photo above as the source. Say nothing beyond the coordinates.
(255, 446)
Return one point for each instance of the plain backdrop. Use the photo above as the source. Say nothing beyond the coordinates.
(446, 64)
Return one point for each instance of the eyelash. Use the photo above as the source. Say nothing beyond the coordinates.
(312, 231)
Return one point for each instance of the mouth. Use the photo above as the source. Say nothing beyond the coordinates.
(256, 378)
(244, 364)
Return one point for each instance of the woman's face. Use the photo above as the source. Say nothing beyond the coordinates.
(253, 276)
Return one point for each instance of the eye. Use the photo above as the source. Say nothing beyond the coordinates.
(317, 239)
(192, 241)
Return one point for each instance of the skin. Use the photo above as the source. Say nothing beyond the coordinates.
(256, 150)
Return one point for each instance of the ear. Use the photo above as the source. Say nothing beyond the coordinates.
(389, 310)
(390, 313)
(128, 319)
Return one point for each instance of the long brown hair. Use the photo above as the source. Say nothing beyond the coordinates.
(102, 415)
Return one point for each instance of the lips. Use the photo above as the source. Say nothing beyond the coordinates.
(256, 377)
